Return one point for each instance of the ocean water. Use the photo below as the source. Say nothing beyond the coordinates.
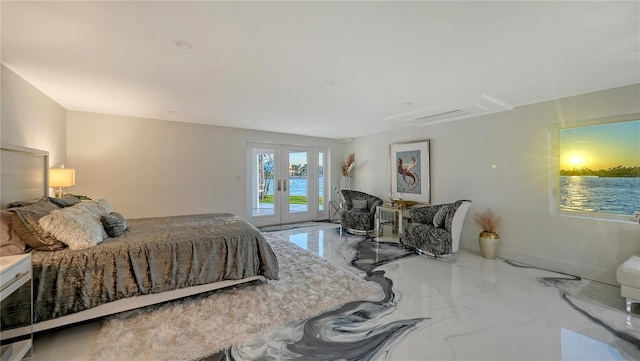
(298, 187)
(600, 194)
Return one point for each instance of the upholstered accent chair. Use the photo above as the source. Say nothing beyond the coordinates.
(435, 230)
(358, 216)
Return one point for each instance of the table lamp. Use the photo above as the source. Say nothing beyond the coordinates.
(60, 178)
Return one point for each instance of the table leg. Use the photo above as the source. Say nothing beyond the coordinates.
(400, 225)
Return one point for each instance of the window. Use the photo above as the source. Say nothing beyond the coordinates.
(600, 168)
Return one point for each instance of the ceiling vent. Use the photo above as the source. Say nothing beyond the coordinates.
(440, 116)
(482, 105)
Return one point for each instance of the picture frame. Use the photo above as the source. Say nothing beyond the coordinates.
(409, 172)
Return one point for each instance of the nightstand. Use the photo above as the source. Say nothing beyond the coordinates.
(15, 271)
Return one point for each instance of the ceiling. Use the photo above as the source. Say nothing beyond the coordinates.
(326, 69)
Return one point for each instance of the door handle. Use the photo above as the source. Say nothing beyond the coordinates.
(279, 185)
(284, 184)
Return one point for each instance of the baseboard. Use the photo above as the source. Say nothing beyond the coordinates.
(554, 265)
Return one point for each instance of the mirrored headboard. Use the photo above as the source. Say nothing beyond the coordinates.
(23, 174)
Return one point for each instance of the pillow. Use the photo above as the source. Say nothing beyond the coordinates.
(98, 208)
(23, 203)
(114, 223)
(10, 243)
(448, 222)
(75, 226)
(360, 205)
(441, 214)
(66, 201)
(25, 223)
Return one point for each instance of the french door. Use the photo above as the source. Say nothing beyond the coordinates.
(287, 183)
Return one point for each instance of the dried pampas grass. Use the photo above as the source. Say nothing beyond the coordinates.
(488, 220)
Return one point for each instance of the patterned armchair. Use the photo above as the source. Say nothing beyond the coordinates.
(435, 230)
(358, 217)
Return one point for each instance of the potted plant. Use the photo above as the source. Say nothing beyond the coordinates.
(346, 168)
(348, 165)
(489, 238)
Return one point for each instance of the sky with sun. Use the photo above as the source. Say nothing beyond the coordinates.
(600, 146)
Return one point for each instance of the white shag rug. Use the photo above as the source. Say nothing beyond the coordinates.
(200, 326)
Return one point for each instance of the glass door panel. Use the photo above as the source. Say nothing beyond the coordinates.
(321, 190)
(297, 195)
(298, 186)
(264, 200)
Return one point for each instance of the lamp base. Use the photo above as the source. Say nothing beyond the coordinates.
(60, 192)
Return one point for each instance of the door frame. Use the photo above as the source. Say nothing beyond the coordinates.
(281, 213)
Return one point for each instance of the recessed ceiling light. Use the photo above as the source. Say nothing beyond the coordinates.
(329, 82)
(183, 44)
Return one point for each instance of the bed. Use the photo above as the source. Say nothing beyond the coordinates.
(154, 260)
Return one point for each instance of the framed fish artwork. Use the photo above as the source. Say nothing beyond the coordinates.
(409, 171)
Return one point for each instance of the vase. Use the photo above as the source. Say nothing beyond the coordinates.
(489, 243)
(345, 183)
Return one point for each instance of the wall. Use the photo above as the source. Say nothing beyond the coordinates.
(502, 161)
(31, 119)
(149, 167)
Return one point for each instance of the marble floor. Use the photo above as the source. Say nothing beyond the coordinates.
(469, 308)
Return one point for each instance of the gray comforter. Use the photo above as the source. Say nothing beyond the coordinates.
(153, 256)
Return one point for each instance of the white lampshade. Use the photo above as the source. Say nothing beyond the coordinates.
(62, 177)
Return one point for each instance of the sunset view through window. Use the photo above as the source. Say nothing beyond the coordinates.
(600, 168)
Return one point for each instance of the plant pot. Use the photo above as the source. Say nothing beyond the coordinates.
(345, 183)
(489, 243)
